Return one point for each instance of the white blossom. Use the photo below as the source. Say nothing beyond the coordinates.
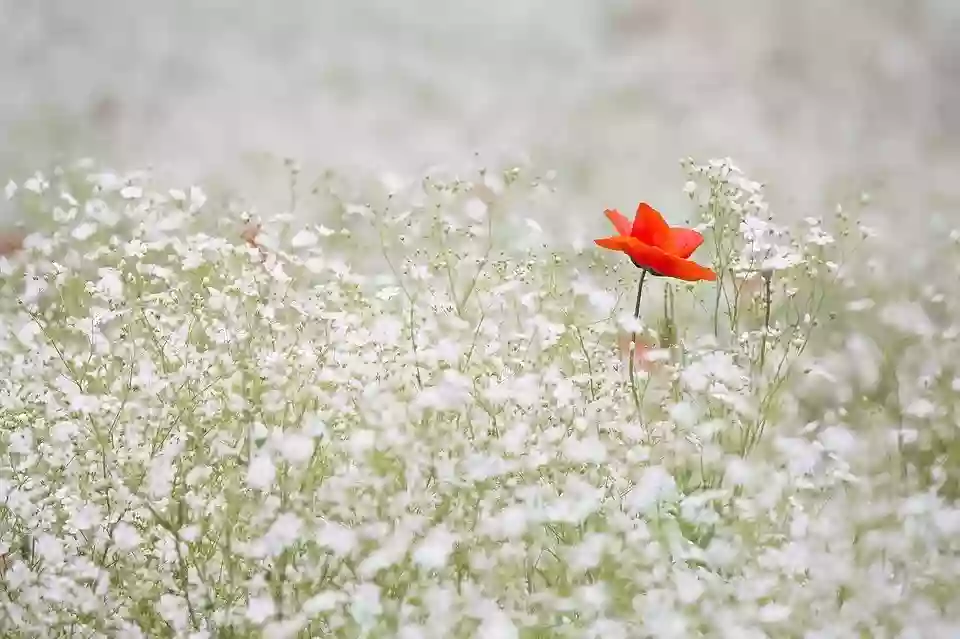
(304, 239)
(125, 536)
(432, 552)
(262, 472)
(260, 609)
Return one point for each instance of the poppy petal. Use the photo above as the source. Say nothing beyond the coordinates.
(649, 226)
(620, 222)
(689, 271)
(656, 259)
(615, 243)
(684, 241)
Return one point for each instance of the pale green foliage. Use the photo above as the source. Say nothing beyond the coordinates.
(400, 424)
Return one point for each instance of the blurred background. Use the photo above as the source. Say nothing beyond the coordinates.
(819, 99)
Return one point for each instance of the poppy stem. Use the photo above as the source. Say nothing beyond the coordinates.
(636, 310)
(633, 344)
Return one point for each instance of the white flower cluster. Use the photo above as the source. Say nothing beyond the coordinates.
(726, 197)
(206, 437)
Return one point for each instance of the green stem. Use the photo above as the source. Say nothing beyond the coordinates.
(767, 295)
(753, 435)
(632, 348)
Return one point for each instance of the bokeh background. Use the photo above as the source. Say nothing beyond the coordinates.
(820, 99)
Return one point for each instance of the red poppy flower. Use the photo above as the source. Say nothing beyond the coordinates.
(10, 243)
(656, 247)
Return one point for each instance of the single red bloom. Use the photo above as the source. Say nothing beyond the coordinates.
(10, 243)
(656, 247)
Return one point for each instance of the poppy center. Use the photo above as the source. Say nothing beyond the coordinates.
(646, 268)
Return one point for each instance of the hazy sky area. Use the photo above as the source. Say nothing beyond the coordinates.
(819, 98)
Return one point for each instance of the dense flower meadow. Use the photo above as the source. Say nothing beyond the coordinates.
(413, 418)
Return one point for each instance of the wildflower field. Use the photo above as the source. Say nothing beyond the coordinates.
(410, 412)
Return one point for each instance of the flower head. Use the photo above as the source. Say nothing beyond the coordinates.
(10, 243)
(656, 247)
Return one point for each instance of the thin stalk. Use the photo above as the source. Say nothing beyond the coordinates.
(767, 296)
(753, 435)
(632, 349)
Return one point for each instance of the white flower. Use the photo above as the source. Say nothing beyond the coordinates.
(10, 190)
(839, 440)
(296, 448)
(393, 182)
(172, 222)
(907, 317)
(303, 239)
(28, 333)
(433, 551)
(284, 533)
(63, 217)
(197, 198)
(476, 209)
(510, 522)
(497, 625)
(107, 181)
(21, 442)
(314, 426)
(388, 293)
(84, 231)
(85, 404)
(131, 192)
(322, 602)
(125, 536)
(38, 184)
(817, 236)
(689, 587)
(262, 472)
(387, 330)
(781, 260)
(391, 551)
(50, 549)
(261, 608)
(584, 451)
(161, 476)
(592, 597)
(174, 610)
(338, 538)
(863, 304)
(365, 604)
(654, 486)
(773, 613)
(921, 409)
(603, 301)
(587, 554)
(86, 517)
(110, 284)
(98, 211)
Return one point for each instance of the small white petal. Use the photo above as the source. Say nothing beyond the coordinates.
(261, 472)
(197, 198)
(84, 231)
(259, 609)
(304, 239)
(131, 192)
